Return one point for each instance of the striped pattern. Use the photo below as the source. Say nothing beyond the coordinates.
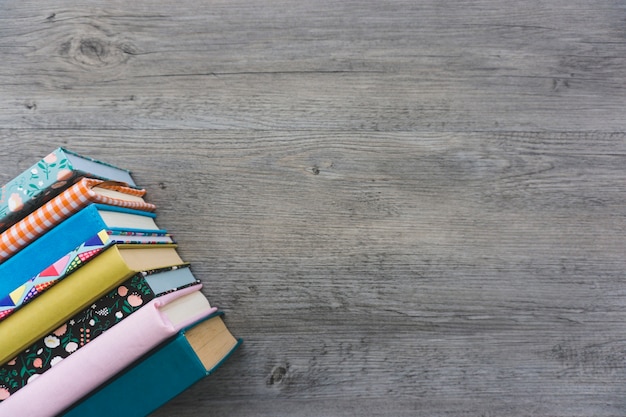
(62, 207)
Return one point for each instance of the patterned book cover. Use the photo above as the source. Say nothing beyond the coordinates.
(54, 273)
(110, 353)
(81, 329)
(62, 207)
(74, 334)
(78, 290)
(61, 240)
(164, 373)
(43, 181)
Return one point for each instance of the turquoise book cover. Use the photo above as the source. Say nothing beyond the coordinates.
(49, 177)
(162, 374)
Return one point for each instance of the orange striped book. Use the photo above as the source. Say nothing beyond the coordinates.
(70, 201)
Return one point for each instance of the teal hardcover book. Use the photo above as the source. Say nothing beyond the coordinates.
(49, 177)
(163, 374)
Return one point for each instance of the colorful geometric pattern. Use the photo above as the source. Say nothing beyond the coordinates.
(62, 207)
(54, 273)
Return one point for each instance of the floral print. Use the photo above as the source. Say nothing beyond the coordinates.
(68, 338)
(71, 347)
(15, 202)
(51, 341)
(35, 186)
(38, 184)
(50, 158)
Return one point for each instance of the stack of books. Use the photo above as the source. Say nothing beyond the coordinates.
(99, 315)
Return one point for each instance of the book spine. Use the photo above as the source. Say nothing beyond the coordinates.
(162, 375)
(69, 381)
(61, 301)
(75, 333)
(50, 247)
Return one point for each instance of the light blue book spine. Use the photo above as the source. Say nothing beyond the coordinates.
(149, 384)
(53, 245)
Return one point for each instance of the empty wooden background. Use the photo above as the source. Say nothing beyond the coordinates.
(406, 208)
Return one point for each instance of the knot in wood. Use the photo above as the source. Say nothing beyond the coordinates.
(277, 375)
(96, 52)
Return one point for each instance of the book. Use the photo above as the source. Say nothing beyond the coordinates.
(90, 323)
(84, 192)
(78, 290)
(169, 370)
(78, 257)
(121, 224)
(70, 380)
(47, 178)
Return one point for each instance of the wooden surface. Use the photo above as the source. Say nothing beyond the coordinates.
(406, 208)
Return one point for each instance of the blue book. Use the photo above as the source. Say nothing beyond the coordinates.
(123, 225)
(167, 371)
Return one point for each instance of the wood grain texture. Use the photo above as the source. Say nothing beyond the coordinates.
(404, 208)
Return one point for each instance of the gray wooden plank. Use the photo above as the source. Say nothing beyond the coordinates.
(391, 273)
(405, 208)
(396, 65)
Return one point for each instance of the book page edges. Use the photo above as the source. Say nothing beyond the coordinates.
(191, 308)
(101, 169)
(120, 219)
(118, 195)
(146, 256)
(212, 342)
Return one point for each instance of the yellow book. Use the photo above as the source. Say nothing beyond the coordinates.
(78, 290)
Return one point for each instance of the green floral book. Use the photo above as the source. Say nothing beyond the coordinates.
(49, 177)
(90, 323)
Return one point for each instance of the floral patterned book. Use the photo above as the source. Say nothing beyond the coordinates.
(65, 383)
(49, 177)
(80, 289)
(89, 324)
(192, 355)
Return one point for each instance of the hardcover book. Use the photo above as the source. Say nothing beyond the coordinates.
(47, 178)
(169, 370)
(68, 381)
(81, 288)
(89, 324)
(81, 194)
(122, 225)
(28, 291)
(99, 315)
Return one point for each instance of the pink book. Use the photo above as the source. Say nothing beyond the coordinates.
(73, 378)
